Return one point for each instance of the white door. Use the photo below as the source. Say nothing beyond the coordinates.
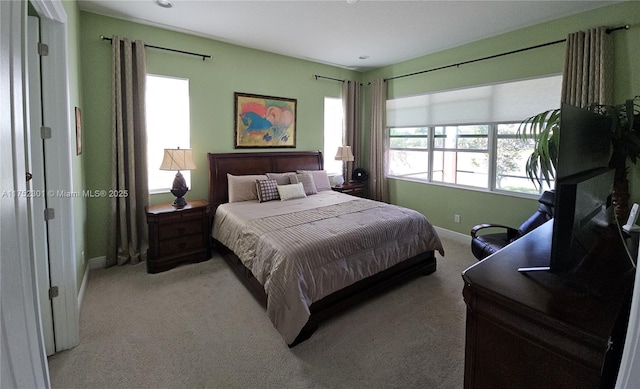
(36, 187)
(22, 354)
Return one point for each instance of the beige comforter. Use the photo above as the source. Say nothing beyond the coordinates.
(305, 249)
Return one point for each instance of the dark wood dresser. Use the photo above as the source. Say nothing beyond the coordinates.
(178, 235)
(544, 329)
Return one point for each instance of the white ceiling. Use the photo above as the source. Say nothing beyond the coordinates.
(338, 33)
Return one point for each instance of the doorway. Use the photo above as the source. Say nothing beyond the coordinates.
(56, 164)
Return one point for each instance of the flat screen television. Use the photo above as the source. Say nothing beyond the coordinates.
(583, 186)
(582, 208)
(584, 142)
(582, 213)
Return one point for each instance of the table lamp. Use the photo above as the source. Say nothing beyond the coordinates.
(178, 159)
(344, 154)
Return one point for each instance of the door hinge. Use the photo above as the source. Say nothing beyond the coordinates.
(53, 292)
(43, 49)
(49, 214)
(45, 132)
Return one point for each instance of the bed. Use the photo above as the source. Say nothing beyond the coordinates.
(307, 258)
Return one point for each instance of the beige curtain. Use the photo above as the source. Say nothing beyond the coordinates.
(379, 142)
(351, 122)
(587, 77)
(128, 235)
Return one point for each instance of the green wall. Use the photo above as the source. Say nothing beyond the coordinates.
(439, 202)
(212, 85)
(238, 69)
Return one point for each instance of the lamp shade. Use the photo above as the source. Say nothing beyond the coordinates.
(344, 154)
(177, 159)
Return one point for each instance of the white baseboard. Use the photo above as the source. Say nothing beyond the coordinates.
(94, 263)
(83, 287)
(97, 262)
(453, 235)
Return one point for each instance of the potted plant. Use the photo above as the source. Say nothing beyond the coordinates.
(544, 129)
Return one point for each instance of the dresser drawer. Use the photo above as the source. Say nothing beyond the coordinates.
(183, 228)
(186, 243)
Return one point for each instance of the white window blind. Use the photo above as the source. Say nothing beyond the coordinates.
(506, 102)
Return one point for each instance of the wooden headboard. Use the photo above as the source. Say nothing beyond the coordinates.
(255, 163)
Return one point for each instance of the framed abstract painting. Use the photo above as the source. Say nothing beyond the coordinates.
(264, 121)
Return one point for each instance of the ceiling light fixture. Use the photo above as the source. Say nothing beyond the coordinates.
(164, 3)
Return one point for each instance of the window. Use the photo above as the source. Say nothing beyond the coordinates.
(333, 115)
(168, 126)
(511, 158)
(461, 155)
(409, 152)
(474, 142)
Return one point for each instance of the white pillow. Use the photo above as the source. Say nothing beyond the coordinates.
(291, 191)
(243, 188)
(320, 179)
(307, 182)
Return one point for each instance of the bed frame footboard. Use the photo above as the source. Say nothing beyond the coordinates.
(422, 264)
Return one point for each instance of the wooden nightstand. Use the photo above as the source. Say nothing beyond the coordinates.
(352, 188)
(178, 235)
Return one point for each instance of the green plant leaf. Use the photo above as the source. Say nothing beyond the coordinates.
(543, 129)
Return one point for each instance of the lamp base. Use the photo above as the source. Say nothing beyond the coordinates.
(179, 202)
(344, 172)
(179, 189)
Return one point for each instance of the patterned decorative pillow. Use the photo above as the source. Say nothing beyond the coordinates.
(267, 190)
(291, 191)
(307, 182)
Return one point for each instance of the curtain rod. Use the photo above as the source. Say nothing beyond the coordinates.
(204, 56)
(330, 78)
(327, 78)
(608, 31)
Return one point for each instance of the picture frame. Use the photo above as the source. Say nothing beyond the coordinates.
(264, 121)
(78, 131)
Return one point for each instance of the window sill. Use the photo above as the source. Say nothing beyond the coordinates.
(159, 191)
(470, 188)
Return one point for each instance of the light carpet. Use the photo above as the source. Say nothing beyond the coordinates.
(196, 326)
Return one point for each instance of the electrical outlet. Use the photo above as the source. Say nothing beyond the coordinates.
(456, 218)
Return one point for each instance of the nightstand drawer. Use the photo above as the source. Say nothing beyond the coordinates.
(178, 216)
(186, 243)
(187, 227)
